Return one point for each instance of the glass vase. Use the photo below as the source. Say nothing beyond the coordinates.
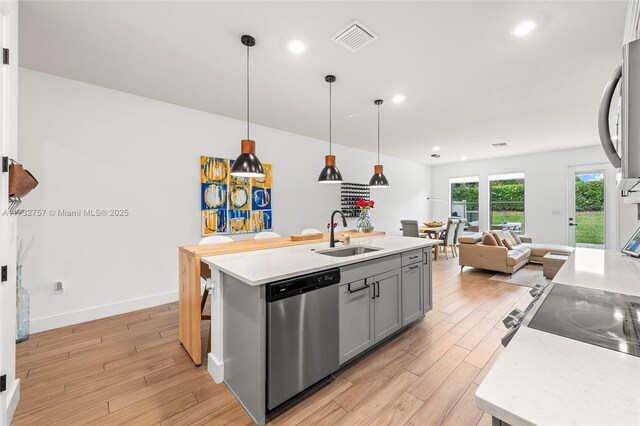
(364, 222)
(22, 308)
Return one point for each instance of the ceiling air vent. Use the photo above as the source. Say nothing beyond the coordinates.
(354, 36)
(499, 145)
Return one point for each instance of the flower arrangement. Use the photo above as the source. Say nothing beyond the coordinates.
(365, 204)
(364, 223)
(22, 252)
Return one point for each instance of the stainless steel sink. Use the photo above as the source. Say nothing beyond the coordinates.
(348, 251)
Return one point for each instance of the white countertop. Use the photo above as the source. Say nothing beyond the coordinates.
(545, 379)
(602, 270)
(264, 266)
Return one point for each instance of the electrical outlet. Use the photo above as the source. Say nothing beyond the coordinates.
(58, 287)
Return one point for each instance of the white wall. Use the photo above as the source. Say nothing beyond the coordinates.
(546, 182)
(94, 148)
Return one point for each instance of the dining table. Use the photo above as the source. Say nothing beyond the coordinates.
(433, 232)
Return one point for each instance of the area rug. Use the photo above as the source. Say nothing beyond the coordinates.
(528, 276)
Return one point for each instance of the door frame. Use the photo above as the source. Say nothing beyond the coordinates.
(610, 202)
(8, 223)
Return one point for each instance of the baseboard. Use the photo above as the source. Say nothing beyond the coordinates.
(97, 312)
(216, 369)
(12, 400)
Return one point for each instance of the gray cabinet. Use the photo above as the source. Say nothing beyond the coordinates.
(412, 288)
(356, 318)
(427, 296)
(379, 297)
(388, 307)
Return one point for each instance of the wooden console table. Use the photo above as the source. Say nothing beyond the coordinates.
(191, 269)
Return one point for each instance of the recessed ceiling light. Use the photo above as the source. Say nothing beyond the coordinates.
(463, 158)
(297, 46)
(523, 28)
(436, 148)
(399, 98)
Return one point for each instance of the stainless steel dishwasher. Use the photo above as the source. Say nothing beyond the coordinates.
(302, 333)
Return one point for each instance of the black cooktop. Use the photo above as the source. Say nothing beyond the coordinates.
(601, 318)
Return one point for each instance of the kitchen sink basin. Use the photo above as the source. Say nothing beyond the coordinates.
(348, 251)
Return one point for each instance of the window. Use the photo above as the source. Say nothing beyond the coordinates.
(506, 203)
(464, 201)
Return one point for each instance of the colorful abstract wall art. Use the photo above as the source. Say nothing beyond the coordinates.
(233, 205)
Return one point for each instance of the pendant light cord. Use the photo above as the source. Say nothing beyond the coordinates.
(330, 84)
(378, 134)
(248, 93)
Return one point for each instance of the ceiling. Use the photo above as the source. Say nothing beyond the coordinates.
(469, 82)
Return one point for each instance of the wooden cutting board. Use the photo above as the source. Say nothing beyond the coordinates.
(306, 237)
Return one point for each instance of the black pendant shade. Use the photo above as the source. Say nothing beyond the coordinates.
(330, 173)
(247, 164)
(378, 180)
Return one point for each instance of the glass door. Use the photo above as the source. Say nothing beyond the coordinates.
(587, 207)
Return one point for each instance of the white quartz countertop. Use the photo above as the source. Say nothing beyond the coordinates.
(602, 270)
(264, 266)
(545, 379)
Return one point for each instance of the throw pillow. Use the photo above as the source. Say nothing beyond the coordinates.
(497, 238)
(509, 238)
(507, 244)
(488, 240)
(515, 237)
(504, 235)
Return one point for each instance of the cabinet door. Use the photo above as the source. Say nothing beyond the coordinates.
(388, 318)
(412, 299)
(427, 303)
(356, 318)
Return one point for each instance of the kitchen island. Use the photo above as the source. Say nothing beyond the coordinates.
(364, 297)
(546, 378)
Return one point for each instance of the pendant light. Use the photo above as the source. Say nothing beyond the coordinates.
(378, 180)
(247, 164)
(330, 173)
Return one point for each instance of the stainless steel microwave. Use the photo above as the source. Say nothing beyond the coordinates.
(623, 150)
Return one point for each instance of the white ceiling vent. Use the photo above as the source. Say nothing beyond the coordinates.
(499, 145)
(354, 36)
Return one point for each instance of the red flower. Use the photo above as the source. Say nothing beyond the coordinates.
(364, 203)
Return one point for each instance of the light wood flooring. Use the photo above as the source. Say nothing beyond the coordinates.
(131, 369)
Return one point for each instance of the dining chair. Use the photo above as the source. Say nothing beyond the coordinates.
(205, 273)
(458, 231)
(215, 239)
(410, 228)
(266, 234)
(448, 237)
(307, 231)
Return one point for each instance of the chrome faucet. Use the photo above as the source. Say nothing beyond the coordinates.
(332, 239)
